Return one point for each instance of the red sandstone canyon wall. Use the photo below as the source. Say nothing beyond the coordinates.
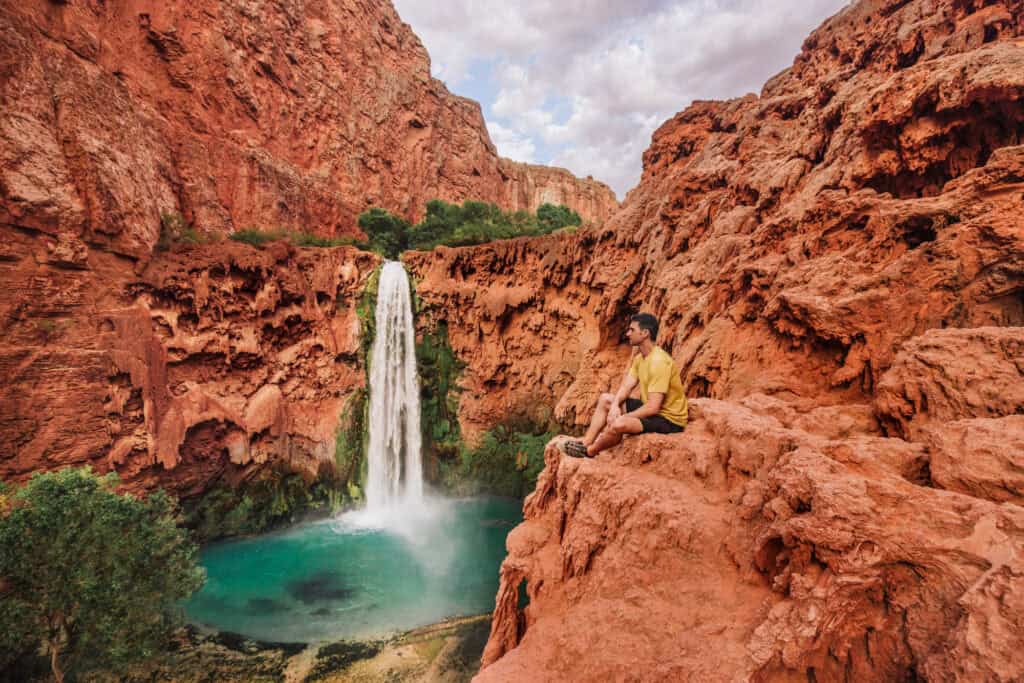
(286, 114)
(838, 265)
(182, 367)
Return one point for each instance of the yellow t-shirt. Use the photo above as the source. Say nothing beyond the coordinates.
(657, 374)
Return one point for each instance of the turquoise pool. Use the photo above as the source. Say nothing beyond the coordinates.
(358, 575)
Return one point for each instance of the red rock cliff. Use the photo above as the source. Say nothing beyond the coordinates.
(208, 365)
(285, 114)
(838, 266)
(182, 368)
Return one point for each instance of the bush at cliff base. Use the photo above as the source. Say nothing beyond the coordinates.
(89, 577)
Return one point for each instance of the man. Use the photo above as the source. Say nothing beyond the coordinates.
(662, 407)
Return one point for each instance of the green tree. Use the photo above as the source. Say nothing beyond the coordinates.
(551, 217)
(91, 575)
(437, 226)
(386, 233)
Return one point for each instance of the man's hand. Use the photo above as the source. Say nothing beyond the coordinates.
(615, 412)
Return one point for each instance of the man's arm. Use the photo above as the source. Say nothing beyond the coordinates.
(629, 383)
(649, 409)
(661, 377)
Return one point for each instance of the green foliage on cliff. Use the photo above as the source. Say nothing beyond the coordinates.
(350, 443)
(506, 462)
(551, 217)
(351, 438)
(366, 311)
(91, 575)
(175, 230)
(508, 458)
(277, 498)
(439, 370)
(258, 237)
(387, 234)
(454, 225)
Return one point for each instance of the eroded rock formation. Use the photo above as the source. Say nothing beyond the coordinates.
(184, 367)
(286, 114)
(205, 366)
(838, 265)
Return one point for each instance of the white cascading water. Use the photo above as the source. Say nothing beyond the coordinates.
(395, 476)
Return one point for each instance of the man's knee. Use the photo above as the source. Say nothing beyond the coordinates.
(605, 401)
(621, 426)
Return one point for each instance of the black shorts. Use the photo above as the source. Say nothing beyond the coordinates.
(656, 424)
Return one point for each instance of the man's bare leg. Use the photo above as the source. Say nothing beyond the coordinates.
(600, 418)
(612, 436)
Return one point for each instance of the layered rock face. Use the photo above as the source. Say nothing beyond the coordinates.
(186, 367)
(287, 114)
(527, 186)
(206, 366)
(838, 266)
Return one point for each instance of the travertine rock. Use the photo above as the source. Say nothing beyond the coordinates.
(748, 550)
(839, 262)
(982, 457)
(209, 363)
(944, 375)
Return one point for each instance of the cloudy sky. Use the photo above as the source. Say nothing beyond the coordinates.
(583, 83)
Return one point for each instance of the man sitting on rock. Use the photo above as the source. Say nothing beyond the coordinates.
(662, 407)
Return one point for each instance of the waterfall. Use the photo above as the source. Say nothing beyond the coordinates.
(395, 476)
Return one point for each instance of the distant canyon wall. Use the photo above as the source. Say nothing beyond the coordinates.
(287, 114)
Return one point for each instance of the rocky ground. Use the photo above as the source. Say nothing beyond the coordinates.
(447, 652)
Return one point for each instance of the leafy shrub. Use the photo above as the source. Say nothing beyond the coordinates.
(91, 575)
(174, 230)
(455, 226)
(257, 238)
(387, 234)
(551, 217)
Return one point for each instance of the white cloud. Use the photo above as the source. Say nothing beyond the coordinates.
(619, 68)
(512, 144)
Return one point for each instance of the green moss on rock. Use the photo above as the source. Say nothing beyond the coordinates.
(350, 443)
(439, 370)
(273, 500)
(506, 462)
(509, 456)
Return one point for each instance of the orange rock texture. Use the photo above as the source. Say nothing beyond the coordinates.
(196, 365)
(838, 266)
(206, 366)
(285, 114)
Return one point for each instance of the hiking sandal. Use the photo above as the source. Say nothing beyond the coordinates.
(575, 449)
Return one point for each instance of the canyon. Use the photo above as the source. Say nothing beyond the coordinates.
(196, 364)
(838, 267)
(837, 264)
